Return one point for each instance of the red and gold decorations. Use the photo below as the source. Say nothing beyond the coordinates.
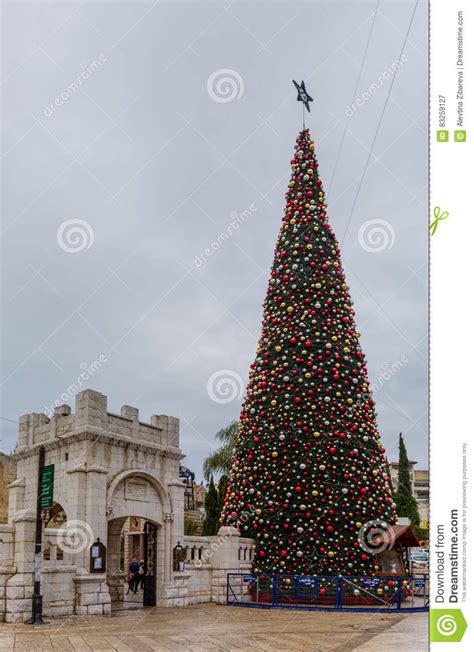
(309, 469)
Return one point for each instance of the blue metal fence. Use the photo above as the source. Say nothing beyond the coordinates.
(328, 592)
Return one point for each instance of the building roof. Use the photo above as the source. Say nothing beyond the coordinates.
(396, 463)
(402, 534)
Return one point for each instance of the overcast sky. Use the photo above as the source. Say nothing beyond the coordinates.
(150, 158)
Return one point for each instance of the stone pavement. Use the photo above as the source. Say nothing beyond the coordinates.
(216, 627)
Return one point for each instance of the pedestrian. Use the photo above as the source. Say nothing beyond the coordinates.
(131, 583)
(133, 568)
(141, 574)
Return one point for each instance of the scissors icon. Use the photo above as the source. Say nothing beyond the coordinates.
(438, 217)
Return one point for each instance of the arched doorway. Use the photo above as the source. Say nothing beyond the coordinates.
(133, 567)
(134, 498)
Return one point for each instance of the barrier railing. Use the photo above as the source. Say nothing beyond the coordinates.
(328, 592)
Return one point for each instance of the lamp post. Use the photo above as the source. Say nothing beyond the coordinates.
(37, 601)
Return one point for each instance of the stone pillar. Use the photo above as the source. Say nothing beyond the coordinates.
(87, 506)
(96, 501)
(7, 533)
(77, 483)
(169, 427)
(23, 432)
(176, 494)
(92, 594)
(91, 409)
(225, 559)
(131, 413)
(16, 497)
(19, 587)
(168, 557)
(115, 576)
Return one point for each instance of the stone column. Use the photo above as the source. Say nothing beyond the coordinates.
(176, 494)
(96, 501)
(225, 559)
(168, 557)
(115, 576)
(16, 497)
(19, 587)
(91, 409)
(7, 569)
(88, 507)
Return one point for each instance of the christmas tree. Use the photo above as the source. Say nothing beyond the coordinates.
(308, 480)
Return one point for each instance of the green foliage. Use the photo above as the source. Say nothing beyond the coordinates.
(220, 460)
(389, 476)
(424, 533)
(404, 498)
(222, 490)
(190, 526)
(211, 505)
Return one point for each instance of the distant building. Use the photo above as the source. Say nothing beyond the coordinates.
(200, 493)
(198, 514)
(420, 486)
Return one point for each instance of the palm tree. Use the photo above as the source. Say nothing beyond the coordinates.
(219, 461)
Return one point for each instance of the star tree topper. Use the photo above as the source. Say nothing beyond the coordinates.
(302, 94)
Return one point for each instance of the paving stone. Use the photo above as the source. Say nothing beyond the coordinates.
(213, 627)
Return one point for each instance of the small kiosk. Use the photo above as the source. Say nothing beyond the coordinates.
(393, 561)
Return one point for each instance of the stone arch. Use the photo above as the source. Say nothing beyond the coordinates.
(137, 493)
(57, 515)
(116, 575)
(145, 475)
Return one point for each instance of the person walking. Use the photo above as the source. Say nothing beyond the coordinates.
(141, 575)
(131, 583)
(133, 570)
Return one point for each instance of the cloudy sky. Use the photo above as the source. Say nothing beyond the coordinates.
(133, 135)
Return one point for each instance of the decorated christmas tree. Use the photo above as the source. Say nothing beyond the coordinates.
(309, 479)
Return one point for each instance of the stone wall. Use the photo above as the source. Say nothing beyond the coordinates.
(210, 559)
(7, 475)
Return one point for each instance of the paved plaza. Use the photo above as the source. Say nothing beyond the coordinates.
(216, 627)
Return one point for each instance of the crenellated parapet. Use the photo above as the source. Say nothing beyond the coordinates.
(92, 420)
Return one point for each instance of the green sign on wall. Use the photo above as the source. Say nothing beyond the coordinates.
(47, 483)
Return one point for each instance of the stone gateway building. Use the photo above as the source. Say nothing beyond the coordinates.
(108, 469)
